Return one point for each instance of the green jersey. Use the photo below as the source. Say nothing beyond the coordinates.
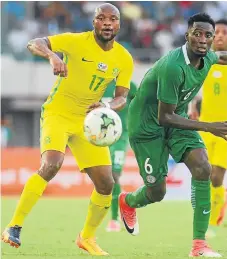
(171, 80)
(109, 95)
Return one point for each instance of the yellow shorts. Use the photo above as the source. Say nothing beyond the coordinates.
(56, 132)
(216, 148)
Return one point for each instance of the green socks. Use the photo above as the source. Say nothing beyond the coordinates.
(114, 204)
(200, 199)
(138, 198)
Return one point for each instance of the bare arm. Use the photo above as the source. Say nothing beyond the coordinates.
(120, 98)
(118, 102)
(168, 118)
(41, 47)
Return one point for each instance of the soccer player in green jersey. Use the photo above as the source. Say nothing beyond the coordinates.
(118, 153)
(159, 126)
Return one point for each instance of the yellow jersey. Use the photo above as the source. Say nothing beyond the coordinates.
(214, 98)
(90, 71)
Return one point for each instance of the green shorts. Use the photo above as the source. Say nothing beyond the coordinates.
(152, 155)
(118, 154)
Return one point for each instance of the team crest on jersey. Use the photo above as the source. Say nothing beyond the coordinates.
(115, 72)
(47, 140)
(102, 67)
(151, 179)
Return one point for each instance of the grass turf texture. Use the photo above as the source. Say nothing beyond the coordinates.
(51, 228)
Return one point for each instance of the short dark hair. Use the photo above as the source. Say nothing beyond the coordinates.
(200, 17)
(221, 21)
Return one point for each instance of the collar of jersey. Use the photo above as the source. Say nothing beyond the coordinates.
(98, 47)
(186, 58)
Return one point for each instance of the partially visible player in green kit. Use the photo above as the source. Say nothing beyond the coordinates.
(159, 126)
(118, 153)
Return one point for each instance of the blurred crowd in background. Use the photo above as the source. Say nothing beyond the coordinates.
(149, 29)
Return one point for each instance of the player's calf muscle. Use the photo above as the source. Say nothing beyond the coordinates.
(102, 178)
(217, 176)
(156, 193)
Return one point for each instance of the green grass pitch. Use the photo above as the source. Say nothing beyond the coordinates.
(50, 231)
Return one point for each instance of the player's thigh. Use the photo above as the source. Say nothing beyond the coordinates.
(118, 154)
(208, 140)
(88, 155)
(152, 160)
(180, 142)
(53, 133)
(219, 153)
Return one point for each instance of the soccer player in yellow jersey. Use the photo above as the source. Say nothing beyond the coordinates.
(214, 108)
(92, 60)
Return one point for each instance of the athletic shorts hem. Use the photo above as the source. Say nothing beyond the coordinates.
(82, 167)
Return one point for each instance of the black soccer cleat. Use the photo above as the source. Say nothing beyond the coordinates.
(11, 235)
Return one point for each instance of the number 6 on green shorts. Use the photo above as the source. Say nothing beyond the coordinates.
(152, 158)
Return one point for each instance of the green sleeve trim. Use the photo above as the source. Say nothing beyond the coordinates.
(167, 101)
(58, 82)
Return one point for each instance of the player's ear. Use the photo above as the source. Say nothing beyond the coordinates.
(186, 36)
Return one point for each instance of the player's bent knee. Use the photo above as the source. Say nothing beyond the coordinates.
(51, 163)
(105, 186)
(48, 170)
(202, 172)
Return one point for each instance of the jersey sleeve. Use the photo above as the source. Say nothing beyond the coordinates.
(125, 74)
(61, 42)
(170, 78)
(132, 91)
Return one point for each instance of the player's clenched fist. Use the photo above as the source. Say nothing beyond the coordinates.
(59, 67)
(219, 129)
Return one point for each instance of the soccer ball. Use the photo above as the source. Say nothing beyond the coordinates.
(102, 127)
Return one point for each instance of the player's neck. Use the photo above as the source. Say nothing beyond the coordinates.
(104, 45)
(194, 59)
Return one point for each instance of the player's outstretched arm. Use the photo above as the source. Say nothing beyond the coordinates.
(41, 47)
(118, 102)
(168, 118)
(222, 57)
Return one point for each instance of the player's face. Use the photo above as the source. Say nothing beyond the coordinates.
(200, 37)
(220, 41)
(106, 25)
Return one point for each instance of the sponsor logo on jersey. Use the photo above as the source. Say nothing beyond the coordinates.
(217, 74)
(189, 93)
(102, 67)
